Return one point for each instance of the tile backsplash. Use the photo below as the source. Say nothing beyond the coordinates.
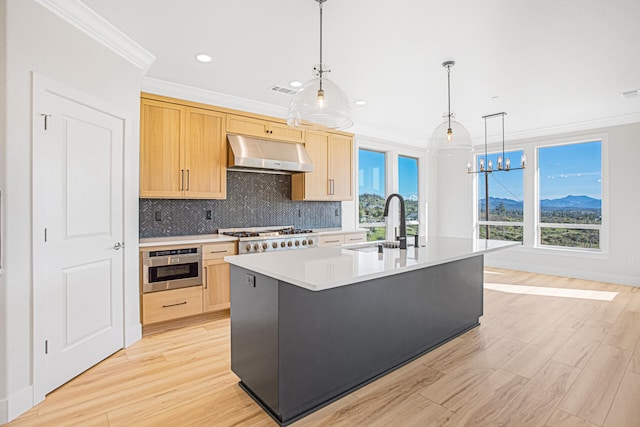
(253, 200)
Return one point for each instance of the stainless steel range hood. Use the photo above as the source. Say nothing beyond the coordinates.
(263, 155)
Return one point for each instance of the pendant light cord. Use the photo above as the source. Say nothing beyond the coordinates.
(449, 92)
(320, 2)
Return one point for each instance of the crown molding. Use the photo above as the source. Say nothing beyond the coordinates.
(95, 26)
(191, 93)
(195, 94)
(604, 122)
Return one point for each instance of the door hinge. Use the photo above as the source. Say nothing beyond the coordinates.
(46, 346)
(46, 117)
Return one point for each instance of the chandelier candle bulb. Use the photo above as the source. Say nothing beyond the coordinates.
(499, 162)
(523, 160)
(468, 166)
(507, 164)
(481, 164)
(490, 166)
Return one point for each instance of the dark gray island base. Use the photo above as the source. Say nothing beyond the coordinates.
(296, 350)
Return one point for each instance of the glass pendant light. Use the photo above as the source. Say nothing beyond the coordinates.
(320, 103)
(450, 137)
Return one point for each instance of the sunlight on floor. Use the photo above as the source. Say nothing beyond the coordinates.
(552, 292)
(492, 272)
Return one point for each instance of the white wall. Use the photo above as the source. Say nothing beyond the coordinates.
(3, 305)
(620, 263)
(37, 40)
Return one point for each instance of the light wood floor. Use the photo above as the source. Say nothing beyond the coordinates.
(535, 361)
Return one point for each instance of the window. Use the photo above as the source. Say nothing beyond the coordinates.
(570, 195)
(371, 193)
(408, 189)
(500, 200)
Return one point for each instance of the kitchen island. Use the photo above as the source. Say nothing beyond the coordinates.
(310, 326)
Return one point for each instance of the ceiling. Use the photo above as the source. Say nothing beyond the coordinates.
(551, 65)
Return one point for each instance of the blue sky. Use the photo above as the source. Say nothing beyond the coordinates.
(371, 174)
(504, 185)
(573, 169)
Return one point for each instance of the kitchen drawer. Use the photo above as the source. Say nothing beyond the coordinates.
(331, 240)
(218, 250)
(355, 237)
(166, 305)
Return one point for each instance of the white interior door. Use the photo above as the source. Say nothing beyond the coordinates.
(78, 229)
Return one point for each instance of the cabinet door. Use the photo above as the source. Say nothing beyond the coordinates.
(331, 240)
(246, 126)
(283, 132)
(161, 136)
(252, 126)
(205, 155)
(215, 292)
(316, 183)
(340, 167)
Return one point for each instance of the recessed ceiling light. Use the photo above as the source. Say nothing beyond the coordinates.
(360, 102)
(203, 57)
(295, 83)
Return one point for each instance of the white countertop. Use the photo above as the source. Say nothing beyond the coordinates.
(185, 240)
(317, 269)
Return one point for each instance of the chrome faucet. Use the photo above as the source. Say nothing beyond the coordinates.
(403, 224)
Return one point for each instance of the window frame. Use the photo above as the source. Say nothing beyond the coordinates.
(532, 199)
(392, 152)
(602, 227)
(481, 223)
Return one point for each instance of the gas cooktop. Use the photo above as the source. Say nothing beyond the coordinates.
(269, 239)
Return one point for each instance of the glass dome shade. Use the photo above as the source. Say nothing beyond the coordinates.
(320, 107)
(459, 144)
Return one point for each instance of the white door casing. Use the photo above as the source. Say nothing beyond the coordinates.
(78, 220)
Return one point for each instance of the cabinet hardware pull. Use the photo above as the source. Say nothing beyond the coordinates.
(188, 179)
(173, 305)
(181, 179)
(218, 252)
(332, 241)
(206, 284)
(331, 187)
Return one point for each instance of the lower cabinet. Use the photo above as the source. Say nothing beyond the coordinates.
(215, 291)
(212, 295)
(172, 304)
(338, 239)
(215, 275)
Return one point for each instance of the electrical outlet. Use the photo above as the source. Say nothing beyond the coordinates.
(250, 280)
(158, 215)
(209, 215)
(299, 213)
(337, 212)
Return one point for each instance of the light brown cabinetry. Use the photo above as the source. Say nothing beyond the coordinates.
(252, 126)
(182, 151)
(337, 239)
(215, 291)
(172, 304)
(331, 179)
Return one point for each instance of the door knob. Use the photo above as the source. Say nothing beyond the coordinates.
(118, 246)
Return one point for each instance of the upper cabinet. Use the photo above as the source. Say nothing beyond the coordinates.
(251, 126)
(182, 151)
(332, 176)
